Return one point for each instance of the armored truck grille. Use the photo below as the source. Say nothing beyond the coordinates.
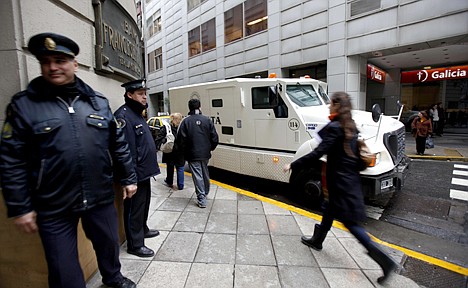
(395, 143)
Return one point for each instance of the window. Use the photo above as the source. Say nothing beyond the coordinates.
(208, 31)
(233, 28)
(154, 23)
(264, 97)
(194, 41)
(268, 98)
(193, 3)
(217, 103)
(303, 95)
(155, 60)
(157, 25)
(158, 58)
(256, 17)
(227, 130)
(208, 38)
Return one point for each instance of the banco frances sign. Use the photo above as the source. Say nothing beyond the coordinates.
(118, 44)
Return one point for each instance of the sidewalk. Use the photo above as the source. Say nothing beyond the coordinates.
(456, 151)
(244, 240)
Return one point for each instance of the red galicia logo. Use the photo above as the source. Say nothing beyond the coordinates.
(375, 73)
(439, 74)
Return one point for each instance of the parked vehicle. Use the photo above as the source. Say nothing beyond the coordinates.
(266, 123)
(407, 117)
(155, 124)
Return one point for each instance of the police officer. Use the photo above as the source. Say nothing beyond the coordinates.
(55, 166)
(131, 119)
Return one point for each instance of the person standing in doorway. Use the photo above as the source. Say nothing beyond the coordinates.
(346, 201)
(61, 150)
(197, 137)
(173, 159)
(422, 128)
(143, 150)
(435, 117)
(441, 112)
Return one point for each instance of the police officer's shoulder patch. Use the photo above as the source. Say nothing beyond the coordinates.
(7, 130)
(120, 122)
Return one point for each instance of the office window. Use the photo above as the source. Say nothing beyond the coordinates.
(158, 59)
(208, 31)
(193, 3)
(154, 23)
(233, 27)
(155, 60)
(194, 41)
(256, 16)
(151, 62)
(157, 25)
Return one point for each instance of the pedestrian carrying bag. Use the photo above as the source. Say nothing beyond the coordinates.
(168, 143)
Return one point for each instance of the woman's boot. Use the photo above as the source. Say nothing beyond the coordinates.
(386, 262)
(315, 241)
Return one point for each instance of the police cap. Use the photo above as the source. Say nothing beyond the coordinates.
(135, 85)
(51, 43)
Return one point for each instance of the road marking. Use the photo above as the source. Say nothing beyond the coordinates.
(458, 194)
(458, 181)
(461, 166)
(459, 172)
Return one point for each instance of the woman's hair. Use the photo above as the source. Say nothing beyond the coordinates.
(177, 117)
(345, 118)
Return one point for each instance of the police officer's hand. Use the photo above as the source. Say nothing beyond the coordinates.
(286, 168)
(26, 223)
(129, 191)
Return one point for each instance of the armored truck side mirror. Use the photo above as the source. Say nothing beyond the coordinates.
(376, 112)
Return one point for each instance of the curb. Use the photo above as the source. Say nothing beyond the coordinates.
(440, 158)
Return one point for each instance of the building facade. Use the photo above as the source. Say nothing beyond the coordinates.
(358, 46)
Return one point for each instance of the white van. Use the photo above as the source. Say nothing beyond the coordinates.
(266, 123)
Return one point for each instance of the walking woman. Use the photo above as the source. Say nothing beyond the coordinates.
(346, 200)
(422, 128)
(174, 159)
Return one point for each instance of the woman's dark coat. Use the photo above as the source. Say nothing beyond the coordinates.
(344, 182)
(175, 157)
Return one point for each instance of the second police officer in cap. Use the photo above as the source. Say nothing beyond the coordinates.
(143, 150)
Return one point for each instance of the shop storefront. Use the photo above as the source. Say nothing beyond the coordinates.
(421, 89)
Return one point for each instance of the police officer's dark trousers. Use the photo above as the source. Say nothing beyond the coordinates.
(59, 238)
(136, 214)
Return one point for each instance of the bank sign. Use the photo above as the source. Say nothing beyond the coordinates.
(376, 74)
(439, 74)
(118, 41)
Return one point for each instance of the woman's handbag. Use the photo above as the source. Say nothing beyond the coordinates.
(429, 142)
(366, 157)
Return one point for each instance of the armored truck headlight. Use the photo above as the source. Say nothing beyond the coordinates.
(376, 160)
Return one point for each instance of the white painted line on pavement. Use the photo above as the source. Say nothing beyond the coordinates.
(460, 172)
(458, 194)
(461, 166)
(458, 181)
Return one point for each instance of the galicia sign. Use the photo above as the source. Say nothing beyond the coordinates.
(439, 74)
(375, 73)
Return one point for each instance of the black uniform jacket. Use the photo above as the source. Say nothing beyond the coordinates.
(139, 139)
(196, 137)
(57, 157)
(343, 179)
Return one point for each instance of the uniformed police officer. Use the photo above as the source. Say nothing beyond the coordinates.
(55, 166)
(131, 119)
